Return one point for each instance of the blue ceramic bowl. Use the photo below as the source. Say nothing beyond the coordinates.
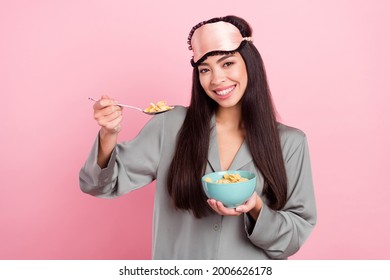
(231, 194)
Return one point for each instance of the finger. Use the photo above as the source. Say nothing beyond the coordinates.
(110, 112)
(104, 102)
(218, 207)
(109, 123)
(248, 205)
(107, 111)
(212, 203)
(242, 209)
(110, 120)
(226, 211)
(113, 126)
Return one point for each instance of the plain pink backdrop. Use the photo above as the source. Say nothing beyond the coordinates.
(328, 64)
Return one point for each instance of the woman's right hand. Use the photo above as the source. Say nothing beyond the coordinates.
(108, 115)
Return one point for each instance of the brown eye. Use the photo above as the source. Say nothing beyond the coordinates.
(226, 64)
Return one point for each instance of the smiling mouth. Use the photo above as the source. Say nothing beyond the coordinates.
(225, 91)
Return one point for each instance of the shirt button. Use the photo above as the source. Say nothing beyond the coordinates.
(216, 227)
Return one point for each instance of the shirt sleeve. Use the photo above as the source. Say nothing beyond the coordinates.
(281, 233)
(132, 164)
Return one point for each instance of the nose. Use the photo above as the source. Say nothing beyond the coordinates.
(217, 76)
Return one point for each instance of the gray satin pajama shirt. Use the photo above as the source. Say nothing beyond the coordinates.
(178, 234)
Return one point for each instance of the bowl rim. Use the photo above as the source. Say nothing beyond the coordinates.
(232, 171)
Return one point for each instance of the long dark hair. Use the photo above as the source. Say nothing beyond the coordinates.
(259, 119)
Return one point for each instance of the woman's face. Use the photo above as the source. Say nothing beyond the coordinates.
(224, 78)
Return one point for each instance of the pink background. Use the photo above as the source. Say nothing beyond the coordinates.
(328, 64)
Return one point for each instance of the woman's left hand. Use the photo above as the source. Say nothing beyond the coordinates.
(252, 206)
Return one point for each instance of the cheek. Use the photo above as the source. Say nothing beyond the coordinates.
(203, 82)
(243, 76)
(245, 79)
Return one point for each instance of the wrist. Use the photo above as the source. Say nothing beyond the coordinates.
(107, 143)
(108, 133)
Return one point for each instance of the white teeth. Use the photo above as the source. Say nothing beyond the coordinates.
(225, 91)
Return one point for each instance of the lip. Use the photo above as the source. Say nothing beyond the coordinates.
(225, 88)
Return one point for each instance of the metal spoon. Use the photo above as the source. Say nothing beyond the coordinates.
(136, 108)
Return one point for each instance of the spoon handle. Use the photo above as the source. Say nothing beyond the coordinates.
(132, 107)
(121, 105)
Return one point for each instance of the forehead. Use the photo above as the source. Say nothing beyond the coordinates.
(216, 58)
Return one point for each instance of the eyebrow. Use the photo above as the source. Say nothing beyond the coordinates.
(219, 60)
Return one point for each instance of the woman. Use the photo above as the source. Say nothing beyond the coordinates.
(229, 124)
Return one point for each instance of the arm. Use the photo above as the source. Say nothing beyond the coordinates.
(282, 233)
(114, 169)
(109, 116)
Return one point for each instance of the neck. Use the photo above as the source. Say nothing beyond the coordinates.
(229, 116)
